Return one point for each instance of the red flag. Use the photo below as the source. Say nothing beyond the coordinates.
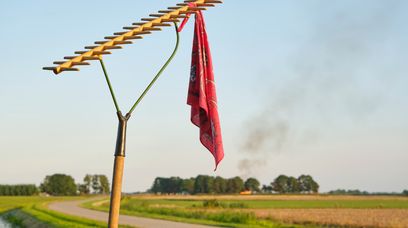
(201, 92)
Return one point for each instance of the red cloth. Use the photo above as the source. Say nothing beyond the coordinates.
(201, 92)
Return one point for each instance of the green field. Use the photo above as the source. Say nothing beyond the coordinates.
(227, 211)
(269, 211)
(32, 211)
(242, 203)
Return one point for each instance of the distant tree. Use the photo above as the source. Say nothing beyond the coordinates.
(281, 184)
(18, 190)
(96, 184)
(86, 186)
(59, 185)
(82, 189)
(157, 185)
(405, 192)
(288, 184)
(187, 185)
(105, 186)
(173, 185)
(351, 192)
(220, 185)
(252, 184)
(99, 183)
(199, 184)
(87, 183)
(293, 185)
(170, 185)
(204, 184)
(235, 185)
(307, 184)
(209, 185)
(267, 189)
(338, 192)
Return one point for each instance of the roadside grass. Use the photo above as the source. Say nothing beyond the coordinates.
(9, 202)
(264, 211)
(33, 212)
(282, 203)
(185, 212)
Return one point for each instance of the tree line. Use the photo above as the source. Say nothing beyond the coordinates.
(18, 190)
(288, 184)
(60, 185)
(204, 184)
(64, 185)
(356, 192)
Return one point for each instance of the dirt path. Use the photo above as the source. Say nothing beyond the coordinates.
(72, 208)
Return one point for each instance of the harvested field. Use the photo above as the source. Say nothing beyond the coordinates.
(273, 210)
(342, 217)
(311, 197)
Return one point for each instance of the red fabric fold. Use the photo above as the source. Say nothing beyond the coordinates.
(202, 93)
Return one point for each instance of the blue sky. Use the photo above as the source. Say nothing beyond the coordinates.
(315, 87)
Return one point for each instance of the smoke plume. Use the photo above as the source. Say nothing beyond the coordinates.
(326, 77)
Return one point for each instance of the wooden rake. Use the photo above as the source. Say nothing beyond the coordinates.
(136, 31)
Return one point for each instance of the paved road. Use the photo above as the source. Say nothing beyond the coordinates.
(72, 208)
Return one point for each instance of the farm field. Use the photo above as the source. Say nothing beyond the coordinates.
(33, 212)
(270, 210)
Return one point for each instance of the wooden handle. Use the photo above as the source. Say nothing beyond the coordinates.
(116, 191)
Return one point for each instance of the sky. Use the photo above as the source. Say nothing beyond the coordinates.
(304, 87)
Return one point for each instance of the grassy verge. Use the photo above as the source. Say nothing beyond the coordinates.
(33, 212)
(231, 218)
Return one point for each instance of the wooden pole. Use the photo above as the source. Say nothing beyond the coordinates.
(118, 171)
(116, 191)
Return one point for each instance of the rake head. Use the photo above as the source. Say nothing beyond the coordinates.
(153, 23)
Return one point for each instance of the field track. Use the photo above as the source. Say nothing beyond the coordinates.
(72, 208)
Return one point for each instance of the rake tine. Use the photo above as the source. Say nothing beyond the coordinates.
(178, 16)
(165, 11)
(170, 20)
(156, 15)
(70, 57)
(49, 68)
(101, 42)
(151, 29)
(101, 53)
(110, 37)
(205, 5)
(161, 24)
(141, 32)
(198, 4)
(119, 33)
(80, 63)
(122, 42)
(91, 47)
(130, 27)
(112, 47)
(90, 58)
(196, 8)
(133, 37)
(187, 12)
(148, 19)
(211, 1)
(69, 69)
